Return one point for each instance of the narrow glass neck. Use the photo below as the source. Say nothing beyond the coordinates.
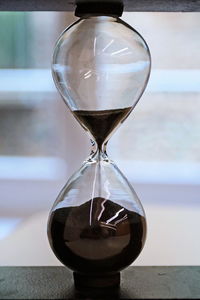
(98, 150)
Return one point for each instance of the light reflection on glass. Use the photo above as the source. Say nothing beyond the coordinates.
(108, 45)
(115, 216)
(119, 51)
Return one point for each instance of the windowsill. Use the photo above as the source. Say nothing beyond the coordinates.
(32, 168)
(179, 173)
(28, 88)
(27, 84)
(137, 172)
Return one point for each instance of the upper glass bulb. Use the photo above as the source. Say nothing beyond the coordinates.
(101, 63)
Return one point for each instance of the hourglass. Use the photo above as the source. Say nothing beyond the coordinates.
(97, 225)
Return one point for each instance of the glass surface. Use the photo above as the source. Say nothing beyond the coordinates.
(100, 63)
(97, 225)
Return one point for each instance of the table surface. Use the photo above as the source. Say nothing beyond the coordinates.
(182, 282)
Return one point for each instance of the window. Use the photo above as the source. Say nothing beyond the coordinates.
(28, 108)
(32, 116)
(162, 134)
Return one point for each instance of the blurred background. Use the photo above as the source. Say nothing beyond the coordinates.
(157, 148)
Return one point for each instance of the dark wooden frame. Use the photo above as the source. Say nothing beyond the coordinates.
(129, 5)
